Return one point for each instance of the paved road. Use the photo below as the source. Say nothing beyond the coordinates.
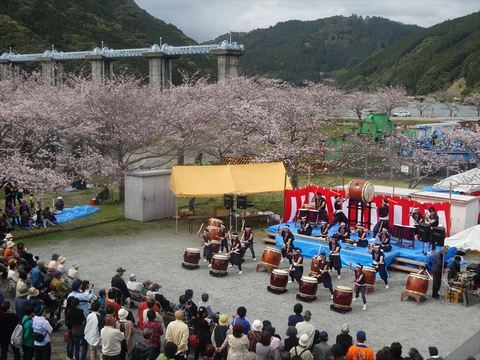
(158, 257)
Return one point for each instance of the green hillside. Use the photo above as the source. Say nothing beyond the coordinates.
(34, 25)
(303, 50)
(426, 61)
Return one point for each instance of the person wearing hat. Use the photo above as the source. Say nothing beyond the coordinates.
(21, 299)
(383, 213)
(322, 349)
(305, 227)
(144, 306)
(334, 257)
(344, 339)
(323, 275)
(433, 352)
(219, 334)
(248, 241)
(73, 273)
(287, 246)
(119, 283)
(59, 205)
(360, 350)
(254, 335)
(301, 350)
(135, 287)
(360, 286)
(378, 262)
(10, 252)
(84, 298)
(61, 266)
(126, 327)
(37, 275)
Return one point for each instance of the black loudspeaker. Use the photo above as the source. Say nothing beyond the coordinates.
(228, 201)
(241, 201)
(424, 232)
(438, 236)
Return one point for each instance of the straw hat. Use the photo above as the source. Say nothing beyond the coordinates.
(75, 266)
(61, 260)
(32, 292)
(223, 320)
(22, 290)
(10, 244)
(9, 236)
(122, 314)
(303, 341)
(150, 295)
(257, 325)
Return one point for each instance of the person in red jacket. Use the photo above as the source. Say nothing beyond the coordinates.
(144, 306)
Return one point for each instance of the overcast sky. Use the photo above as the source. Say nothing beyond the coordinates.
(206, 19)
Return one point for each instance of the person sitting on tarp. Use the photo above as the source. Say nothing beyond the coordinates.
(362, 236)
(59, 205)
(323, 228)
(343, 232)
(385, 245)
(305, 227)
(103, 195)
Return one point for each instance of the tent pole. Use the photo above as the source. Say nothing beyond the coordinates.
(176, 215)
(284, 188)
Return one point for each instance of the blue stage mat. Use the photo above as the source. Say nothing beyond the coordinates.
(350, 256)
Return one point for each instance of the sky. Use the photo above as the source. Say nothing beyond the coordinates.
(206, 19)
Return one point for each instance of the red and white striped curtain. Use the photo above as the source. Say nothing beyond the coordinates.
(400, 208)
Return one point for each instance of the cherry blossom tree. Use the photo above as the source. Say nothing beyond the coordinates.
(423, 103)
(389, 97)
(358, 102)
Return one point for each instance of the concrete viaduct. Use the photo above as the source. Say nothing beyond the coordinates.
(101, 59)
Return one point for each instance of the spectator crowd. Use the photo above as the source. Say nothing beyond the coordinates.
(134, 320)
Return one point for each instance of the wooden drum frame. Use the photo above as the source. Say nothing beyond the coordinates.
(342, 299)
(307, 290)
(278, 281)
(219, 265)
(370, 275)
(191, 258)
(271, 258)
(417, 284)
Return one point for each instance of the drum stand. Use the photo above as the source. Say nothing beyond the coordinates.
(276, 290)
(306, 298)
(190, 266)
(268, 268)
(341, 310)
(218, 274)
(355, 205)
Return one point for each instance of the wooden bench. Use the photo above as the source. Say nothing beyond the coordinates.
(402, 264)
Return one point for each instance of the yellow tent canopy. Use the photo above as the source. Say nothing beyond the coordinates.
(216, 180)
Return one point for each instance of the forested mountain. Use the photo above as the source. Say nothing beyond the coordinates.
(34, 25)
(426, 61)
(305, 50)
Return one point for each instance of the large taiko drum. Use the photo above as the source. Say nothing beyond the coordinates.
(315, 266)
(308, 287)
(417, 284)
(219, 264)
(271, 258)
(278, 279)
(191, 256)
(342, 297)
(216, 244)
(214, 222)
(213, 231)
(313, 216)
(370, 275)
(360, 190)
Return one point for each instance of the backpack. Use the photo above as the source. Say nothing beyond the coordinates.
(101, 322)
(298, 356)
(16, 340)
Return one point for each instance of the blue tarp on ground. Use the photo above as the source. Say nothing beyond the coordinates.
(78, 211)
(350, 255)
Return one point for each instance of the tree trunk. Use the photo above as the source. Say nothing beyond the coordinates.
(180, 156)
(294, 178)
(121, 190)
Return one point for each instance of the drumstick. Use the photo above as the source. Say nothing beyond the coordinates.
(334, 192)
(201, 227)
(393, 201)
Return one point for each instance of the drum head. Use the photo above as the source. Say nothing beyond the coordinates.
(211, 227)
(215, 219)
(309, 279)
(418, 276)
(193, 250)
(220, 257)
(271, 249)
(280, 272)
(368, 192)
(343, 288)
(368, 268)
(215, 241)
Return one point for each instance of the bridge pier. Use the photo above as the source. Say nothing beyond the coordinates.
(159, 69)
(228, 62)
(51, 71)
(102, 68)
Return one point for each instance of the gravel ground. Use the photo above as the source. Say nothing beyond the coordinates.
(158, 257)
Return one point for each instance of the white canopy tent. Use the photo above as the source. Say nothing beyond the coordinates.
(467, 182)
(467, 239)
